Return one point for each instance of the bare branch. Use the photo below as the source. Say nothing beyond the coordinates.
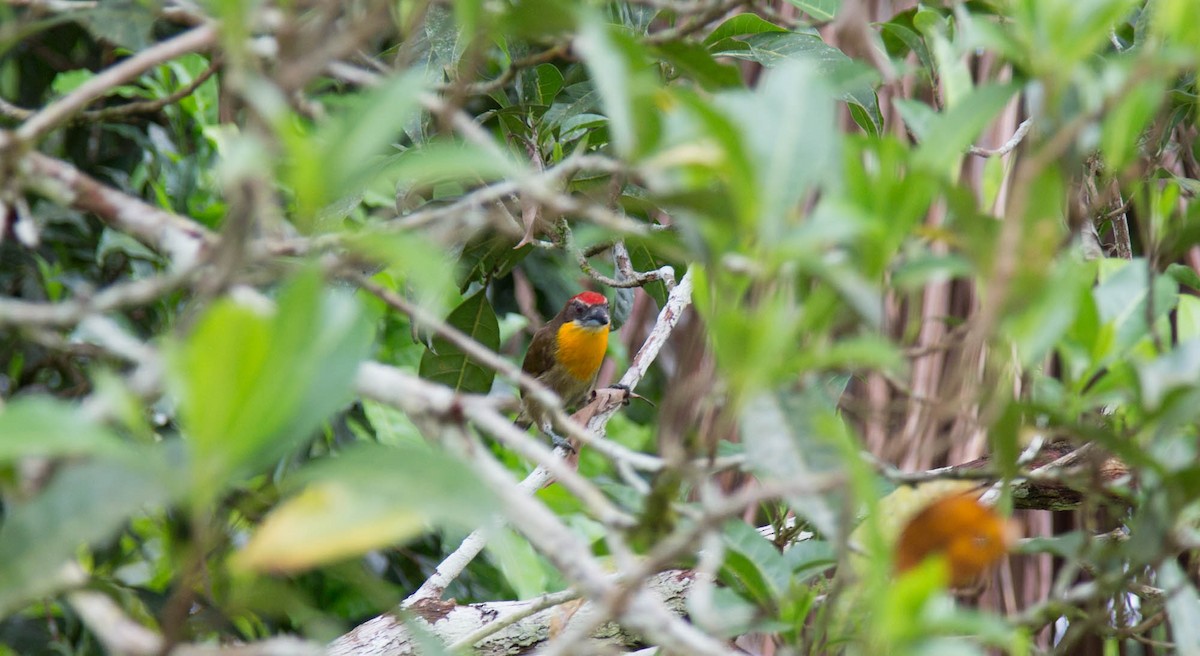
(117, 297)
(1008, 146)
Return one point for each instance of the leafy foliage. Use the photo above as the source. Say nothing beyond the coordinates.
(961, 230)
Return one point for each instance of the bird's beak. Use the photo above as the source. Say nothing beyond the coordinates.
(595, 317)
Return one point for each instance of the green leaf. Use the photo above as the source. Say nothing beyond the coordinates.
(113, 241)
(788, 125)
(369, 497)
(1183, 607)
(254, 383)
(643, 260)
(852, 81)
(784, 441)
(618, 67)
(83, 504)
(68, 81)
(519, 562)
(754, 562)
(808, 558)
(47, 427)
(349, 148)
(1184, 275)
(821, 10)
(1124, 125)
(445, 363)
(740, 25)
(952, 131)
(1121, 299)
(489, 257)
(126, 23)
(1179, 368)
(694, 61)
(1187, 318)
(900, 37)
(417, 264)
(549, 82)
(1045, 318)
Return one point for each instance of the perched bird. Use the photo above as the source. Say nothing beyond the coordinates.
(565, 356)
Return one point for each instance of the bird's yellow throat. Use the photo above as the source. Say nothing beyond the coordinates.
(581, 349)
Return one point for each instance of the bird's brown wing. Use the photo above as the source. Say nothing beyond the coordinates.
(540, 356)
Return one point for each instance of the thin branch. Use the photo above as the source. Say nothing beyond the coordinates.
(125, 111)
(116, 297)
(535, 606)
(630, 278)
(1013, 142)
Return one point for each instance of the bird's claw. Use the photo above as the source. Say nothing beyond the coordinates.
(558, 441)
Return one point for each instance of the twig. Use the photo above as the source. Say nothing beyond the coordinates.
(535, 606)
(116, 297)
(1013, 142)
(630, 278)
(121, 111)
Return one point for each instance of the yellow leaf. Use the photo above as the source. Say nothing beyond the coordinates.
(327, 522)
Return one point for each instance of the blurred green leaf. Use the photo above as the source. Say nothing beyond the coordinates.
(951, 132)
(418, 264)
(253, 383)
(520, 564)
(787, 124)
(1178, 368)
(849, 79)
(694, 61)
(1043, 319)
(445, 363)
(784, 442)
(43, 426)
(1184, 275)
(349, 148)
(755, 563)
(1187, 318)
(820, 10)
(1183, 608)
(1124, 125)
(126, 23)
(1121, 300)
(83, 504)
(623, 77)
(445, 160)
(741, 25)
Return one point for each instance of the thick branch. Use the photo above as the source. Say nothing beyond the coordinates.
(386, 635)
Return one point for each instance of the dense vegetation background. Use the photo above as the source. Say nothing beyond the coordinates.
(267, 270)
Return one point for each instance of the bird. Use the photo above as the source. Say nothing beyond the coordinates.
(565, 355)
(969, 535)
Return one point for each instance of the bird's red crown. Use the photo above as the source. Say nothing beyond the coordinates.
(591, 298)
